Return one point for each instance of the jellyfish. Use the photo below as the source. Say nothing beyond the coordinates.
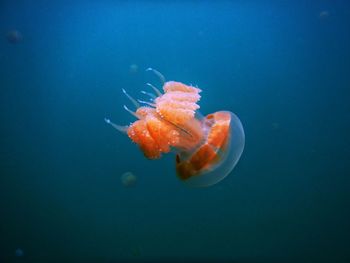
(128, 179)
(206, 148)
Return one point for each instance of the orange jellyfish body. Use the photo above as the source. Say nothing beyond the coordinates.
(207, 149)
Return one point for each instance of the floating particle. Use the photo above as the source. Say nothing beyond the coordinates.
(128, 179)
(14, 36)
(19, 252)
(324, 14)
(133, 68)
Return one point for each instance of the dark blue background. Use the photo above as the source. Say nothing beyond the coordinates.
(279, 65)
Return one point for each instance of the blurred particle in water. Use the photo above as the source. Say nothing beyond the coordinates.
(133, 68)
(136, 251)
(324, 14)
(200, 33)
(275, 125)
(19, 252)
(128, 179)
(14, 36)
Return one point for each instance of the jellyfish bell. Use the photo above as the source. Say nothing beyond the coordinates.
(214, 159)
(207, 148)
(128, 179)
(14, 36)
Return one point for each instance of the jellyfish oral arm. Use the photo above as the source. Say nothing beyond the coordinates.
(133, 101)
(160, 75)
(120, 128)
(157, 91)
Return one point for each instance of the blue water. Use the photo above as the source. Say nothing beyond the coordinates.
(282, 66)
